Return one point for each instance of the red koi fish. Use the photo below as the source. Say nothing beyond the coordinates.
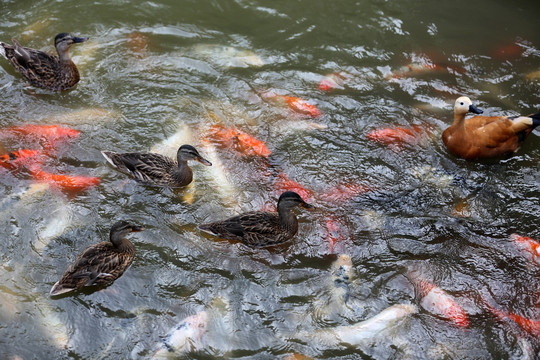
(47, 132)
(332, 81)
(18, 157)
(239, 140)
(529, 247)
(334, 232)
(396, 137)
(438, 302)
(65, 182)
(508, 52)
(283, 183)
(531, 326)
(343, 192)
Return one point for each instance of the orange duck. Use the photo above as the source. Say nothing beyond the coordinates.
(481, 137)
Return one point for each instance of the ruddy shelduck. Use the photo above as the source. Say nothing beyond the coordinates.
(481, 137)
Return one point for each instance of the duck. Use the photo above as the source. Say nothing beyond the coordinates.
(261, 228)
(156, 169)
(482, 137)
(56, 73)
(100, 264)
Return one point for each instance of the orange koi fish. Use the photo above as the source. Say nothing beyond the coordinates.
(48, 132)
(508, 52)
(438, 302)
(239, 140)
(138, 44)
(65, 182)
(531, 326)
(396, 137)
(332, 81)
(343, 192)
(283, 183)
(18, 157)
(528, 247)
(296, 104)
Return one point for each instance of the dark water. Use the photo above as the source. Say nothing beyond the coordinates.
(154, 69)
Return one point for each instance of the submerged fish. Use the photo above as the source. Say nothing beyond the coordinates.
(282, 183)
(438, 302)
(362, 333)
(184, 337)
(332, 81)
(242, 142)
(17, 158)
(46, 132)
(334, 233)
(294, 103)
(530, 326)
(343, 192)
(529, 247)
(83, 116)
(65, 182)
(228, 56)
(396, 137)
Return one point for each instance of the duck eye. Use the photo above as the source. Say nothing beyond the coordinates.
(462, 103)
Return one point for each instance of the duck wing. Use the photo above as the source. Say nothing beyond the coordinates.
(148, 168)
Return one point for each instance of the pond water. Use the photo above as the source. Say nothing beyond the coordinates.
(411, 217)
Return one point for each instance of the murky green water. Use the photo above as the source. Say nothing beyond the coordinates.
(155, 69)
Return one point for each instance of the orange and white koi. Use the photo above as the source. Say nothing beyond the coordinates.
(332, 81)
(529, 247)
(65, 182)
(184, 337)
(396, 137)
(438, 302)
(238, 140)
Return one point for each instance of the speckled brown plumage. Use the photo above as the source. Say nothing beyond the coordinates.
(155, 169)
(100, 264)
(481, 137)
(261, 228)
(43, 70)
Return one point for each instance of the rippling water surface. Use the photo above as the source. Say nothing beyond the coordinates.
(409, 215)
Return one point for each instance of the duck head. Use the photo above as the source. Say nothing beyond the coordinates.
(464, 105)
(63, 41)
(120, 229)
(290, 199)
(188, 152)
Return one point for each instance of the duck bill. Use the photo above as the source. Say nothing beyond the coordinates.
(307, 206)
(203, 161)
(475, 110)
(79, 39)
(135, 228)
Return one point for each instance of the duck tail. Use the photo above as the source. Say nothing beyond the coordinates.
(2, 50)
(536, 119)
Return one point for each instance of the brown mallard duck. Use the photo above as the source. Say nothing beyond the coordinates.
(261, 228)
(155, 169)
(43, 70)
(100, 264)
(481, 137)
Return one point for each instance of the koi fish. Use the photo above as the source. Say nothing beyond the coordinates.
(49, 133)
(363, 332)
(296, 104)
(438, 302)
(332, 81)
(282, 183)
(65, 182)
(228, 56)
(531, 326)
(239, 140)
(138, 44)
(508, 52)
(334, 234)
(183, 337)
(343, 192)
(415, 69)
(529, 247)
(19, 157)
(396, 137)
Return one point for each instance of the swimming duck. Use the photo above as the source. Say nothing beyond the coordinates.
(485, 136)
(155, 169)
(44, 70)
(101, 263)
(261, 228)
